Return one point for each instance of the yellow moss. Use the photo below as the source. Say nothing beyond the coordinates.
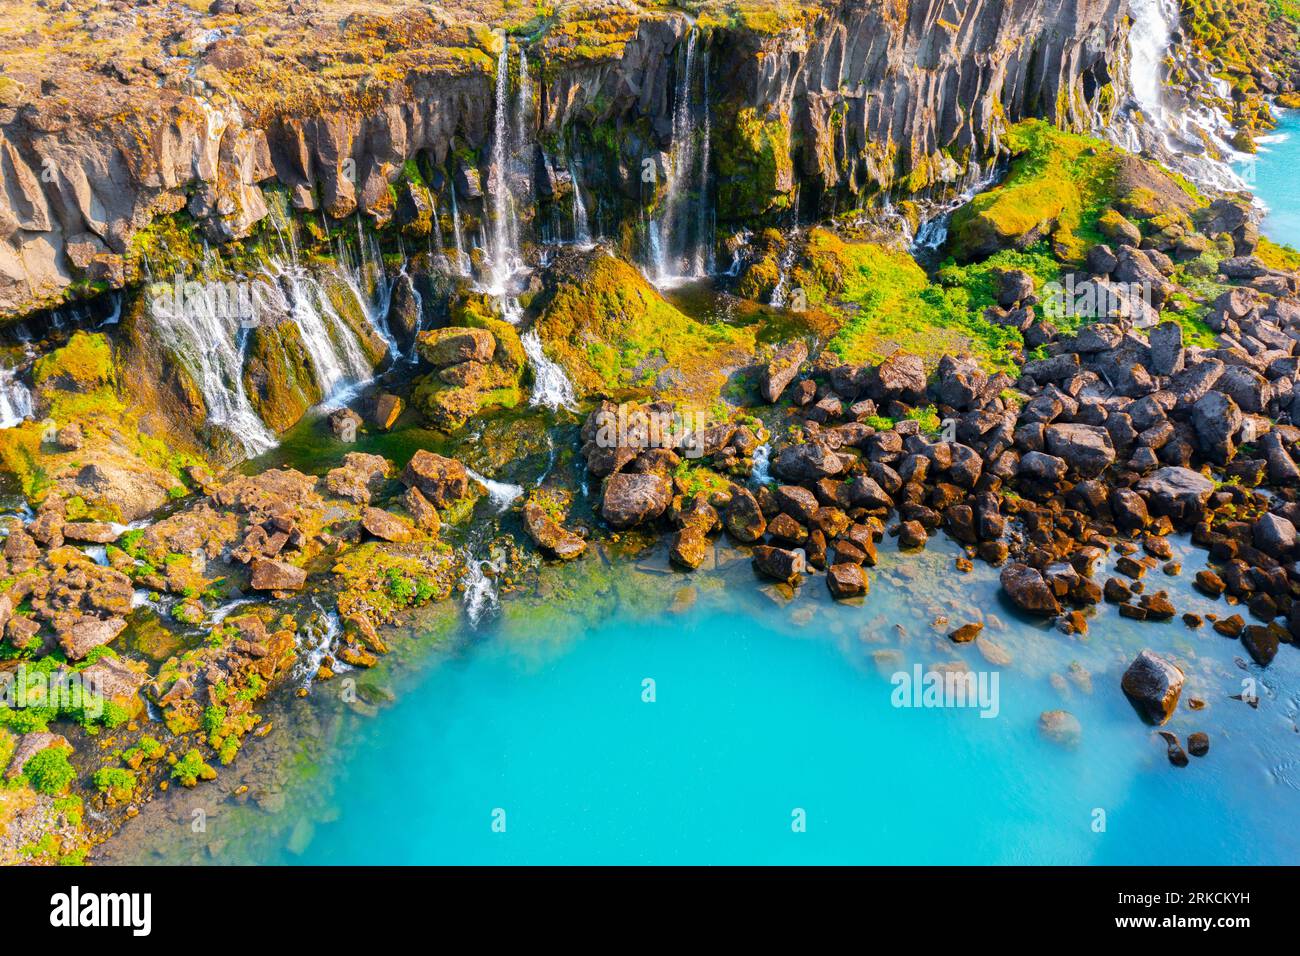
(83, 365)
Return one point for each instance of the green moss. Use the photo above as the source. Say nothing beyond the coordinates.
(190, 769)
(755, 168)
(116, 783)
(888, 304)
(85, 364)
(49, 771)
(610, 330)
(1057, 188)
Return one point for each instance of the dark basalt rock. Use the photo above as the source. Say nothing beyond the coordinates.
(1152, 685)
(631, 499)
(779, 564)
(1028, 590)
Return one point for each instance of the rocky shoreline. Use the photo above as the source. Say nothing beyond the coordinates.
(1105, 356)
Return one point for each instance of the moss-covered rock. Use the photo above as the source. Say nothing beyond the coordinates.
(611, 330)
(755, 168)
(279, 379)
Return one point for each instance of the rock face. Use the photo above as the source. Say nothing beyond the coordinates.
(78, 186)
(1152, 684)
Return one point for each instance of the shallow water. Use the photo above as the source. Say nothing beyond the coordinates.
(765, 707)
(1271, 173)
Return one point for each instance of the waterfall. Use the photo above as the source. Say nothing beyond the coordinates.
(551, 387)
(205, 339)
(760, 475)
(670, 233)
(1176, 137)
(783, 267)
(462, 263)
(933, 232)
(502, 494)
(15, 400)
(504, 260)
(413, 356)
(581, 227)
(480, 591)
(525, 101)
(333, 347)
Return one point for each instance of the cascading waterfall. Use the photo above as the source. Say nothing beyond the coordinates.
(206, 340)
(551, 387)
(502, 494)
(15, 400)
(760, 474)
(462, 261)
(413, 356)
(671, 232)
(933, 233)
(581, 226)
(1175, 136)
(333, 347)
(504, 261)
(781, 290)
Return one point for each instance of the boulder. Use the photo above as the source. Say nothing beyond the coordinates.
(1060, 727)
(269, 575)
(689, 547)
(778, 373)
(87, 633)
(1028, 590)
(1275, 536)
(384, 526)
(743, 517)
(808, 462)
(1177, 493)
(455, 344)
(779, 564)
(1085, 448)
(846, 581)
(1152, 685)
(631, 499)
(549, 534)
(1166, 341)
(442, 481)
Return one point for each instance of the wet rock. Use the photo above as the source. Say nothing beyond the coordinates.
(912, 535)
(1028, 590)
(779, 564)
(1152, 684)
(1174, 750)
(688, 548)
(1261, 643)
(443, 481)
(846, 581)
(1060, 727)
(1198, 744)
(422, 512)
(549, 535)
(1230, 626)
(966, 633)
(743, 518)
(269, 575)
(1209, 583)
(797, 503)
(388, 408)
(631, 499)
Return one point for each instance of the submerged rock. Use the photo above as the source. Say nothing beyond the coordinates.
(1028, 590)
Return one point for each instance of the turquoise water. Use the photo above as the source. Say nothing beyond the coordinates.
(764, 707)
(1273, 175)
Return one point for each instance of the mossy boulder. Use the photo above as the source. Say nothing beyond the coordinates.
(611, 330)
(1055, 190)
(479, 366)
